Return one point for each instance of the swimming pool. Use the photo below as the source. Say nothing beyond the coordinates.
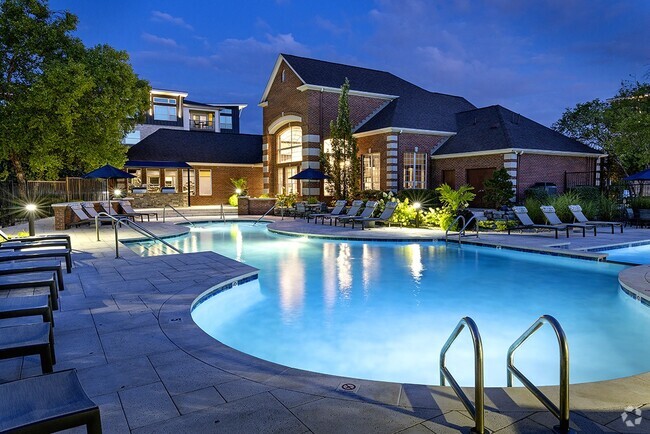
(383, 310)
(630, 254)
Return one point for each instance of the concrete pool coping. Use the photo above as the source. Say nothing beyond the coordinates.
(144, 382)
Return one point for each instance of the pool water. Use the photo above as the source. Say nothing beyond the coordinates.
(383, 310)
(630, 255)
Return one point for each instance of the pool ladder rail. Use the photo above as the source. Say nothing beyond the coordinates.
(463, 230)
(477, 409)
(181, 214)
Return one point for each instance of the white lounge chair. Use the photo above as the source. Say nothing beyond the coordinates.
(553, 219)
(527, 223)
(576, 210)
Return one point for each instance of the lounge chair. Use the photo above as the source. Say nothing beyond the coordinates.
(47, 403)
(527, 223)
(110, 211)
(21, 267)
(339, 206)
(6, 256)
(92, 213)
(350, 212)
(38, 238)
(367, 212)
(33, 305)
(38, 279)
(128, 209)
(576, 210)
(384, 217)
(28, 340)
(553, 219)
(22, 245)
(82, 217)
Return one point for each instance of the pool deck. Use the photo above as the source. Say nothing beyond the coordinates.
(125, 325)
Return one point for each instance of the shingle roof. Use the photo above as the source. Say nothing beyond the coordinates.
(496, 127)
(199, 147)
(414, 108)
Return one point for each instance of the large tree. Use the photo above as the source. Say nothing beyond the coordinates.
(64, 108)
(620, 126)
(342, 162)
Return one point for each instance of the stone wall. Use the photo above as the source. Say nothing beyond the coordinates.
(158, 200)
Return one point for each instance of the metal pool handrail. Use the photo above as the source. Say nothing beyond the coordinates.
(265, 214)
(180, 214)
(476, 410)
(562, 413)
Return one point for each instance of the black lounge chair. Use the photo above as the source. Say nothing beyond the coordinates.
(38, 238)
(28, 340)
(21, 267)
(339, 206)
(38, 254)
(552, 218)
(367, 212)
(351, 212)
(384, 217)
(576, 210)
(32, 280)
(47, 403)
(23, 245)
(33, 305)
(527, 223)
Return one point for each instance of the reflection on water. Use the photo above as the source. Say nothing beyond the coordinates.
(291, 283)
(329, 275)
(344, 267)
(413, 255)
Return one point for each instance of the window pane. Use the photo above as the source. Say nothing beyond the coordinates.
(192, 182)
(371, 172)
(164, 113)
(153, 180)
(164, 100)
(137, 181)
(290, 145)
(171, 176)
(415, 170)
(205, 182)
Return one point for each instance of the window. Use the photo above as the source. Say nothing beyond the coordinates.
(285, 184)
(164, 112)
(225, 119)
(415, 170)
(371, 171)
(290, 145)
(153, 180)
(202, 121)
(205, 182)
(137, 181)
(284, 76)
(192, 182)
(131, 138)
(171, 178)
(160, 100)
(449, 178)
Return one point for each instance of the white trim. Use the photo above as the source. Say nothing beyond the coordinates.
(391, 145)
(405, 131)
(273, 74)
(514, 183)
(391, 160)
(310, 191)
(512, 173)
(263, 104)
(265, 180)
(353, 92)
(265, 147)
(168, 92)
(391, 138)
(191, 163)
(265, 169)
(265, 190)
(311, 138)
(510, 165)
(276, 124)
(310, 165)
(391, 175)
(265, 158)
(391, 153)
(516, 150)
(507, 157)
(310, 151)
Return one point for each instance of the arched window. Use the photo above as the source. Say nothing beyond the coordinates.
(290, 145)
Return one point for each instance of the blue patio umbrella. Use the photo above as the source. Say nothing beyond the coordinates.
(310, 174)
(644, 175)
(108, 172)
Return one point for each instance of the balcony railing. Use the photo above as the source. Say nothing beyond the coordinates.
(201, 125)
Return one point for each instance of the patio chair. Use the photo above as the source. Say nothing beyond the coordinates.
(576, 210)
(32, 305)
(6, 256)
(553, 219)
(339, 206)
(46, 279)
(110, 211)
(128, 209)
(527, 223)
(367, 212)
(384, 217)
(28, 340)
(351, 212)
(22, 267)
(82, 217)
(22, 245)
(38, 238)
(47, 403)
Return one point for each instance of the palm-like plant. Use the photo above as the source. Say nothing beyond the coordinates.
(456, 200)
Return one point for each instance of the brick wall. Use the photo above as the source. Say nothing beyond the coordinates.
(222, 188)
(461, 164)
(549, 168)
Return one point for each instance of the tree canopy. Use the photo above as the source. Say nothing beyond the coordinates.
(619, 126)
(342, 163)
(64, 108)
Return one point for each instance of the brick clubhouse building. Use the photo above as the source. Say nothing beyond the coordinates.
(408, 137)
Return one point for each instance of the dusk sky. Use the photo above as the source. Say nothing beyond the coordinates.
(534, 57)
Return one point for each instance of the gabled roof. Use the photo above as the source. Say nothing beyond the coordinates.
(198, 147)
(213, 105)
(495, 128)
(411, 107)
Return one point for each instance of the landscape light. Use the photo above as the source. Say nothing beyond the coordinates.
(417, 205)
(238, 191)
(31, 210)
(31, 207)
(117, 192)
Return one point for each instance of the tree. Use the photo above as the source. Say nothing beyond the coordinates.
(64, 109)
(620, 127)
(342, 163)
(498, 188)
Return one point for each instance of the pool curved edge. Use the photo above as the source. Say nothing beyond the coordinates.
(635, 282)
(176, 322)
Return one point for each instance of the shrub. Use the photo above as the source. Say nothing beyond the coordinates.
(456, 200)
(232, 200)
(312, 200)
(561, 204)
(240, 184)
(498, 189)
(587, 193)
(638, 203)
(532, 204)
(427, 198)
(538, 194)
(286, 200)
(371, 194)
(439, 217)
(608, 209)
(404, 214)
(264, 196)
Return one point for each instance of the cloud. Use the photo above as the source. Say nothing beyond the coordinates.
(166, 42)
(332, 27)
(162, 17)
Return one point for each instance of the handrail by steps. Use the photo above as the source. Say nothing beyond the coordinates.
(180, 214)
(461, 232)
(562, 413)
(476, 410)
(133, 225)
(265, 214)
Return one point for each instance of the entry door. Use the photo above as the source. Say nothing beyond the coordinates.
(475, 178)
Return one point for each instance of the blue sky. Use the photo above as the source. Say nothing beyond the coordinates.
(534, 57)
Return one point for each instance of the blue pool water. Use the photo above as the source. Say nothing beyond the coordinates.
(631, 255)
(383, 310)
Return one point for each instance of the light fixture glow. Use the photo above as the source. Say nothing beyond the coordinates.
(117, 192)
(31, 207)
(238, 191)
(417, 205)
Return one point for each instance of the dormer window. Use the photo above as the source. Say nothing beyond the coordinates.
(164, 109)
(225, 119)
